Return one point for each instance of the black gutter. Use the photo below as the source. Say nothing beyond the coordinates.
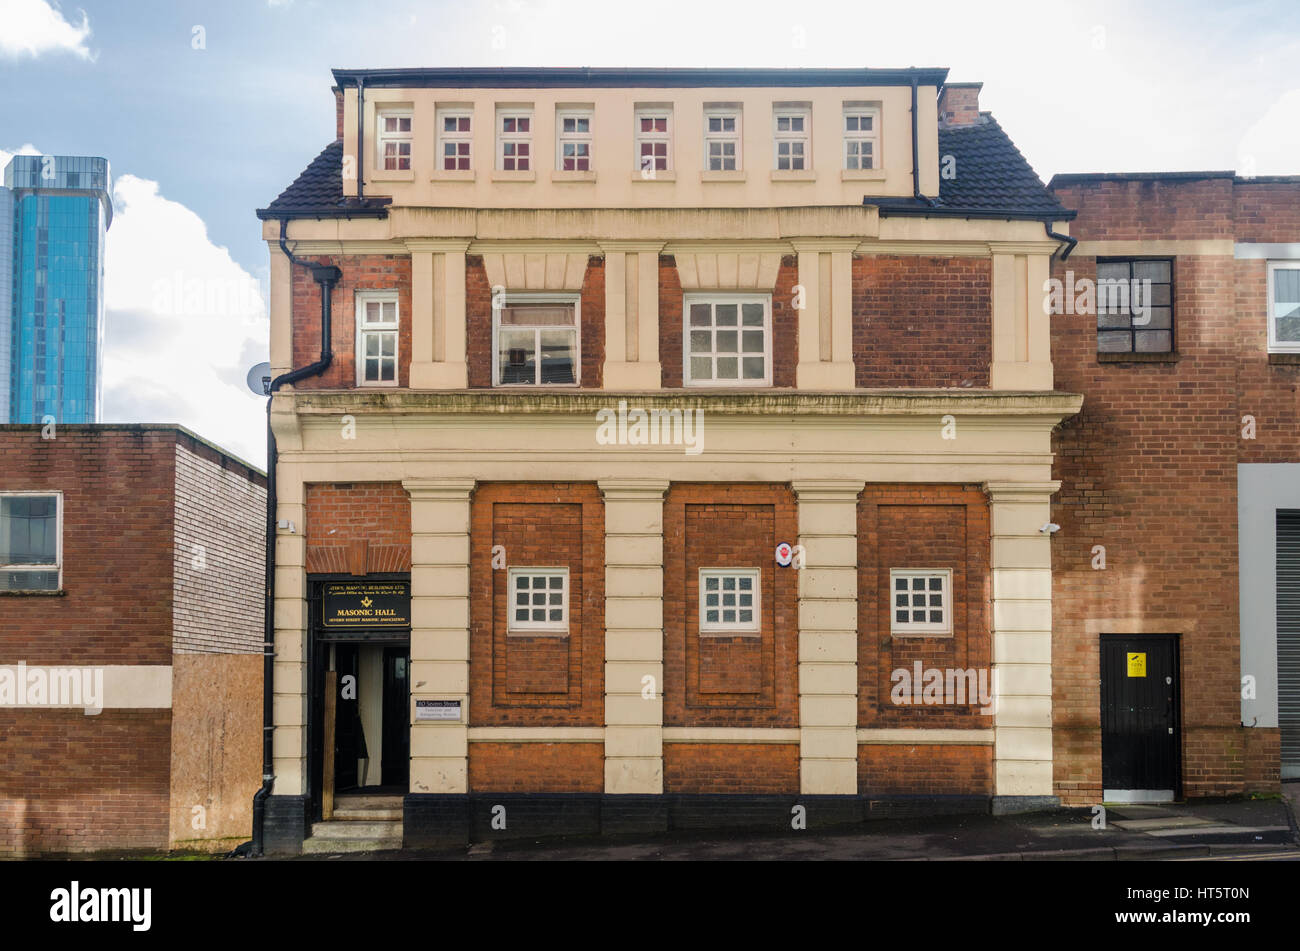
(888, 210)
(1069, 242)
(361, 138)
(324, 211)
(326, 275)
(561, 77)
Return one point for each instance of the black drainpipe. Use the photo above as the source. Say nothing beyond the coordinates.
(916, 162)
(326, 276)
(361, 137)
(1069, 242)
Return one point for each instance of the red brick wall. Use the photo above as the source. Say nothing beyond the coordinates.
(361, 272)
(478, 317)
(118, 488)
(358, 528)
(785, 323)
(729, 681)
(1139, 210)
(737, 768)
(519, 680)
(537, 767)
(921, 526)
(73, 783)
(1149, 472)
(922, 321)
(925, 769)
(670, 322)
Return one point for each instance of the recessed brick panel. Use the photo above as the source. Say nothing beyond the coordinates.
(729, 681)
(922, 526)
(925, 769)
(537, 680)
(736, 768)
(922, 321)
(537, 767)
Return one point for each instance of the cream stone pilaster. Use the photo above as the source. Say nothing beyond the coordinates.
(281, 305)
(440, 513)
(826, 320)
(289, 673)
(1022, 358)
(631, 315)
(634, 634)
(1021, 566)
(828, 635)
(438, 313)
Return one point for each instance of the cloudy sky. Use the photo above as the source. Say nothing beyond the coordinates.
(207, 110)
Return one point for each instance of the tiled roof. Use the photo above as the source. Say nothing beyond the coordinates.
(318, 192)
(986, 174)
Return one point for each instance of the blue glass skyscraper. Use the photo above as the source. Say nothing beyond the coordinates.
(61, 211)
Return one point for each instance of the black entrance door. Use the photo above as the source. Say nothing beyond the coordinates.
(1139, 716)
(397, 717)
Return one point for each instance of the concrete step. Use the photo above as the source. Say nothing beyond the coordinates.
(353, 836)
(368, 801)
(363, 813)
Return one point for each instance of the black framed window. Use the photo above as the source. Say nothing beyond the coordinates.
(1135, 305)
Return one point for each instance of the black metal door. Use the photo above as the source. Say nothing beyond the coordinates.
(1140, 712)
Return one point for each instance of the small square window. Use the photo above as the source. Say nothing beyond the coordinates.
(922, 601)
(729, 601)
(539, 602)
(727, 340)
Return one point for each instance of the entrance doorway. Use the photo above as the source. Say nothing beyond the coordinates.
(358, 715)
(371, 733)
(1140, 728)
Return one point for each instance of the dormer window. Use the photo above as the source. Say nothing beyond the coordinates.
(793, 138)
(515, 140)
(861, 137)
(395, 140)
(455, 139)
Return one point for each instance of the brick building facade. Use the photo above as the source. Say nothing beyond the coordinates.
(709, 441)
(1178, 467)
(141, 586)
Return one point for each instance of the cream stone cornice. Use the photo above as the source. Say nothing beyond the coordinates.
(735, 246)
(952, 248)
(806, 245)
(452, 489)
(1023, 247)
(881, 403)
(1016, 491)
(309, 247)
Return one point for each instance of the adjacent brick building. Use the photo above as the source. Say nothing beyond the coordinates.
(131, 574)
(1181, 475)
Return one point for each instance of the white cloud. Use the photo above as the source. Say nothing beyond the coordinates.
(1272, 145)
(33, 27)
(6, 154)
(184, 323)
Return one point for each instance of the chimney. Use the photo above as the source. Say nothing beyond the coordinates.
(338, 112)
(959, 104)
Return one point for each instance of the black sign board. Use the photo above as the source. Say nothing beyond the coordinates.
(363, 604)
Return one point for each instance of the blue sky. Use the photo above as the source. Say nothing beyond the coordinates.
(203, 136)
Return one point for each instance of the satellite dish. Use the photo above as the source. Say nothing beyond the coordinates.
(259, 380)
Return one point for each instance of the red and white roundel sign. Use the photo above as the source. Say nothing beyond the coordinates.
(784, 554)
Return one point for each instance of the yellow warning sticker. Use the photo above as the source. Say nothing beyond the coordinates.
(1137, 665)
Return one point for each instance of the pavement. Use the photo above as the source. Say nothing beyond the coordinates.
(1239, 829)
